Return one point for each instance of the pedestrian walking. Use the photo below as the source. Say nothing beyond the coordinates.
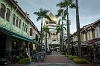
(57, 51)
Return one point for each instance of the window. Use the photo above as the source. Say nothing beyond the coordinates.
(36, 37)
(23, 26)
(8, 15)
(99, 28)
(14, 19)
(86, 36)
(17, 22)
(93, 34)
(30, 31)
(26, 28)
(2, 11)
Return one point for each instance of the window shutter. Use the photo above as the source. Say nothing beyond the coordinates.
(3, 13)
(13, 20)
(31, 31)
(7, 16)
(17, 22)
(0, 11)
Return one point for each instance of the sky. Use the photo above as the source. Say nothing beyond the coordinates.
(89, 11)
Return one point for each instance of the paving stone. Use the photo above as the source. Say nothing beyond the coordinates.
(52, 65)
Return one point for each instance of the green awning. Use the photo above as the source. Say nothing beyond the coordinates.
(21, 37)
(15, 35)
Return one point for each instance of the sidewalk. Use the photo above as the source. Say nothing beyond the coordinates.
(15, 64)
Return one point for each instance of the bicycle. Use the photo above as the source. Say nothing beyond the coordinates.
(43, 56)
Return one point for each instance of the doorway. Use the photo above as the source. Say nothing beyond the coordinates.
(2, 45)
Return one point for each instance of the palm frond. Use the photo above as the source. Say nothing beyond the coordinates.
(42, 35)
(65, 3)
(61, 5)
(63, 18)
(38, 18)
(46, 16)
(65, 13)
(64, 28)
(60, 12)
(73, 5)
(46, 29)
(42, 13)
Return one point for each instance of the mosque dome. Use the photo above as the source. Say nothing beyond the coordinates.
(52, 17)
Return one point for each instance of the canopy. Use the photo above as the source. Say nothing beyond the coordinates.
(92, 41)
(55, 42)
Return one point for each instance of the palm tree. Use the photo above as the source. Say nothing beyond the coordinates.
(65, 4)
(46, 31)
(59, 29)
(78, 29)
(42, 13)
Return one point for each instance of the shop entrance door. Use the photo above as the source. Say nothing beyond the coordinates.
(2, 45)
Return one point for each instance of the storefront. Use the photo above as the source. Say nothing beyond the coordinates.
(11, 44)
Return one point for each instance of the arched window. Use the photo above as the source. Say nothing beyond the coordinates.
(14, 19)
(17, 21)
(23, 26)
(2, 11)
(31, 31)
(26, 28)
(8, 15)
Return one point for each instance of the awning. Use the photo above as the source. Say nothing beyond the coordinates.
(21, 37)
(55, 42)
(15, 35)
(92, 41)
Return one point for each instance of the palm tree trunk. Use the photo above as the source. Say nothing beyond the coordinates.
(78, 29)
(68, 32)
(62, 36)
(41, 32)
(60, 42)
(46, 42)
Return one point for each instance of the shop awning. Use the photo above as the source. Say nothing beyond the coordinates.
(92, 41)
(14, 34)
(55, 42)
(21, 37)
